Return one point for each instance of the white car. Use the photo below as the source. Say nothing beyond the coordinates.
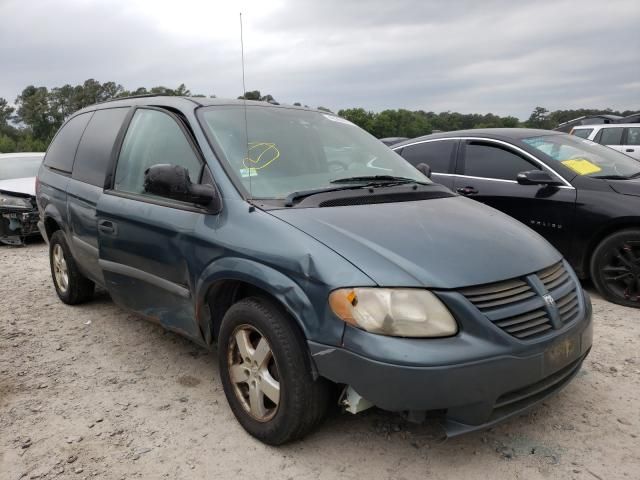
(18, 210)
(623, 137)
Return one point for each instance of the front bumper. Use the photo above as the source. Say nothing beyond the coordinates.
(16, 224)
(477, 381)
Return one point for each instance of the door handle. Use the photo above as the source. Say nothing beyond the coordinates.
(629, 150)
(467, 190)
(107, 227)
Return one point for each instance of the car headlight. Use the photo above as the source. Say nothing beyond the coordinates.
(399, 312)
(14, 202)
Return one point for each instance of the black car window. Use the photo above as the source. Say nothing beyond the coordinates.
(438, 155)
(598, 136)
(63, 148)
(583, 132)
(153, 138)
(94, 152)
(633, 136)
(611, 136)
(493, 161)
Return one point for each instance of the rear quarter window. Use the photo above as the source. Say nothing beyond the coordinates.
(611, 136)
(62, 150)
(94, 152)
(583, 132)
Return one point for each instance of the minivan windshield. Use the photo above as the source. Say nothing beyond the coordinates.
(292, 150)
(585, 157)
(19, 166)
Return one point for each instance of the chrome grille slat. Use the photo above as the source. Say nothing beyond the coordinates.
(543, 274)
(561, 302)
(568, 307)
(553, 275)
(558, 281)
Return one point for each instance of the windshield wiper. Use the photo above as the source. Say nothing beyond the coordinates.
(293, 196)
(635, 175)
(378, 180)
(611, 177)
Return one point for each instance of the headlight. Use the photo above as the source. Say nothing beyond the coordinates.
(14, 202)
(399, 312)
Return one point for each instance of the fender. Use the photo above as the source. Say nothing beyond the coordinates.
(262, 276)
(51, 211)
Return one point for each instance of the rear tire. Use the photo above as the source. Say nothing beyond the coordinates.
(260, 348)
(71, 286)
(615, 268)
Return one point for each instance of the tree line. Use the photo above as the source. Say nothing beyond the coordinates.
(39, 112)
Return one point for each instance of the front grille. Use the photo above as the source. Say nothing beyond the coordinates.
(521, 306)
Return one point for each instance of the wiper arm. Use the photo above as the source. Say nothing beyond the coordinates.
(293, 196)
(635, 175)
(611, 177)
(378, 179)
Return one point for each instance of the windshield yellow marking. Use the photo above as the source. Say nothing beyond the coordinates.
(267, 154)
(582, 166)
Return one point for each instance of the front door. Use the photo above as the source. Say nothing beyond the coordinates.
(631, 140)
(488, 172)
(147, 244)
(438, 154)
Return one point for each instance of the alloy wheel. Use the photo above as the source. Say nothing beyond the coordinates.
(621, 270)
(253, 373)
(60, 271)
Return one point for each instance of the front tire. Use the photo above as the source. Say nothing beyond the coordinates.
(615, 268)
(266, 373)
(71, 286)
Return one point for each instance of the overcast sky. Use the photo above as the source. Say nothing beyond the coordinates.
(504, 57)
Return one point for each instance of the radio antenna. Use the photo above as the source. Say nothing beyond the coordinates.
(246, 123)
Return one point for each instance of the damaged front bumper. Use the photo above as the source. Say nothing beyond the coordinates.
(17, 224)
(475, 382)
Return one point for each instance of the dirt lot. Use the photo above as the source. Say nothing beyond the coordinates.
(93, 391)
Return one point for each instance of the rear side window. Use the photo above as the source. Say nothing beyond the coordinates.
(489, 161)
(94, 152)
(633, 136)
(611, 136)
(62, 150)
(438, 155)
(153, 138)
(583, 132)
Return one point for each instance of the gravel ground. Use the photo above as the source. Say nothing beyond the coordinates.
(94, 391)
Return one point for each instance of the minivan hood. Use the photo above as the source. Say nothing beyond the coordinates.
(626, 187)
(25, 186)
(439, 243)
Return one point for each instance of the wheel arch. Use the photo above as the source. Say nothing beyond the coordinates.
(52, 220)
(228, 280)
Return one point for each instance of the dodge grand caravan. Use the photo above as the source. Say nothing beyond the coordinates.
(315, 258)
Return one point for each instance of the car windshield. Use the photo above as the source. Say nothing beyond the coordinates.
(292, 150)
(19, 167)
(585, 157)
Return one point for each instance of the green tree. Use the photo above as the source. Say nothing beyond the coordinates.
(539, 118)
(359, 116)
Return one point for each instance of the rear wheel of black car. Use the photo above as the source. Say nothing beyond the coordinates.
(266, 373)
(71, 286)
(615, 268)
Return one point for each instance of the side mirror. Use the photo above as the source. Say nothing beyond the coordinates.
(424, 169)
(537, 177)
(172, 181)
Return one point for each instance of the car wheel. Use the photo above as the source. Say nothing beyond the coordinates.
(71, 286)
(615, 268)
(266, 373)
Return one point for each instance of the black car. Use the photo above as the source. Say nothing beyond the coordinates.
(581, 196)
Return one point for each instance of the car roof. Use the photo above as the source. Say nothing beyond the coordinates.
(606, 125)
(193, 102)
(494, 133)
(21, 154)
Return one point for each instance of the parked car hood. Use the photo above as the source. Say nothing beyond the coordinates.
(626, 187)
(440, 243)
(25, 186)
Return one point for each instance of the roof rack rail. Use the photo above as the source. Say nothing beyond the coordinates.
(144, 95)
